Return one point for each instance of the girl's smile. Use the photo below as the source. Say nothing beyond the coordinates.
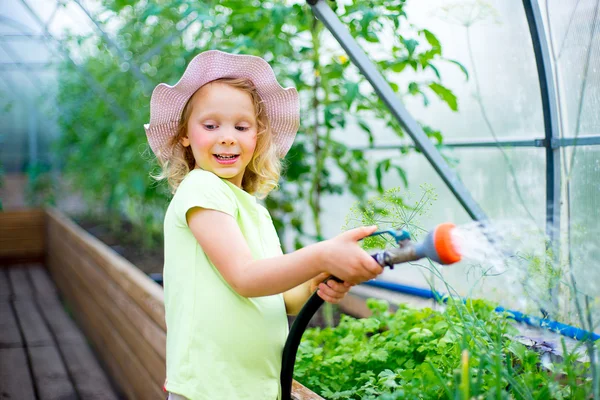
(226, 158)
(222, 130)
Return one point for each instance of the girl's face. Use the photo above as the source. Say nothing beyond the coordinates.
(222, 131)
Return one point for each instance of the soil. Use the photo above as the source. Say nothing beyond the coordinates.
(150, 261)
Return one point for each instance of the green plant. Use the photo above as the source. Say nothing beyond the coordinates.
(464, 352)
(102, 124)
(40, 188)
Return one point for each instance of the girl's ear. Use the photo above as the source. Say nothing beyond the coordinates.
(185, 141)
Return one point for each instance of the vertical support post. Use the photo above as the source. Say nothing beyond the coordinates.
(551, 127)
(385, 92)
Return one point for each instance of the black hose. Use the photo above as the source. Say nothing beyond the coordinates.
(301, 322)
(293, 341)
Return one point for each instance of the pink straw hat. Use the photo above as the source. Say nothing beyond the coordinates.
(167, 102)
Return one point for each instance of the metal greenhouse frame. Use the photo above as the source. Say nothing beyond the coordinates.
(551, 141)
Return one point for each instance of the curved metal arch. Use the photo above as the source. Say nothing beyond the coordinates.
(549, 109)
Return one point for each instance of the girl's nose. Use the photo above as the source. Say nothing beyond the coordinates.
(228, 140)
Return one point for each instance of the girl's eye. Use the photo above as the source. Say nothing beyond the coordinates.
(242, 128)
(210, 127)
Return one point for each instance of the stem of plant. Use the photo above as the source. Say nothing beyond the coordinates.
(465, 375)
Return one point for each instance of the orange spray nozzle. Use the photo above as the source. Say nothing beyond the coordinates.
(438, 245)
(442, 240)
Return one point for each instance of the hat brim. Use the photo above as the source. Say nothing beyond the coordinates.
(167, 102)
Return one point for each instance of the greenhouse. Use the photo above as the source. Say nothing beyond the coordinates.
(320, 199)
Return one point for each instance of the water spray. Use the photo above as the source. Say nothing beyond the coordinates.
(438, 246)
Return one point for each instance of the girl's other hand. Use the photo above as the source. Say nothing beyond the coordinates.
(330, 291)
(343, 257)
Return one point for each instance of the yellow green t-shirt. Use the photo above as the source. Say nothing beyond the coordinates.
(220, 345)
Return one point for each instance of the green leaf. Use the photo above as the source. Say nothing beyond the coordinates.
(365, 127)
(402, 174)
(435, 70)
(413, 88)
(411, 45)
(432, 133)
(462, 68)
(379, 177)
(351, 93)
(118, 5)
(433, 41)
(399, 65)
(445, 94)
(518, 350)
(371, 37)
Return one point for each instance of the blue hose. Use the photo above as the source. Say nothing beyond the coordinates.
(554, 326)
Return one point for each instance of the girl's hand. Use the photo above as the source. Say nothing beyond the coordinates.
(330, 291)
(344, 258)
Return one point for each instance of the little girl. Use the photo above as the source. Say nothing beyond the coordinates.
(219, 134)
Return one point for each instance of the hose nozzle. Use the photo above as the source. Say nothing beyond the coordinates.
(438, 245)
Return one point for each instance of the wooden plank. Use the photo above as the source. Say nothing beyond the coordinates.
(23, 245)
(15, 378)
(19, 259)
(97, 340)
(21, 289)
(5, 291)
(22, 234)
(20, 218)
(42, 284)
(128, 319)
(62, 327)
(300, 392)
(129, 365)
(10, 335)
(89, 379)
(34, 329)
(50, 374)
(143, 290)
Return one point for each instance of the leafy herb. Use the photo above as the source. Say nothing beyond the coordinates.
(464, 351)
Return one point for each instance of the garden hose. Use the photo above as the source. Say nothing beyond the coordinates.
(437, 246)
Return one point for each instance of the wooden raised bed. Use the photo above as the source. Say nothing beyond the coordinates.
(120, 309)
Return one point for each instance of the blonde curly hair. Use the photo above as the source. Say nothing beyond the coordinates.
(262, 173)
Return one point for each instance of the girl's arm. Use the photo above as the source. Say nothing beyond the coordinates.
(331, 292)
(223, 242)
(296, 297)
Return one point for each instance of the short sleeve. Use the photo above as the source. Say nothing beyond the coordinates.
(272, 245)
(205, 190)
